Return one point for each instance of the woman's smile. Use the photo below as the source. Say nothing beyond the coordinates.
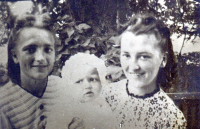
(136, 75)
(141, 58)
(35, 53)
(40, 68)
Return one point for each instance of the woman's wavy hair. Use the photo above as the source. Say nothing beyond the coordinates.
(41, 21)
(148, 24)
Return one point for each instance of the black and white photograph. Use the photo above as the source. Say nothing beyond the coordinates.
(100, 64)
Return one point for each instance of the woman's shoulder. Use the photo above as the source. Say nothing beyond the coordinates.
(171, 110)
(9, 93)
(165, 102)
(113, 92)
(8, 89)
(118, 83)
(163, 97)
(117, 86)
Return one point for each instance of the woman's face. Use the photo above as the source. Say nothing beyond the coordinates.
(35, 53)
(86, 84)
(141, 58)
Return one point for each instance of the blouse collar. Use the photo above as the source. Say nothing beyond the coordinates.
(143, 96)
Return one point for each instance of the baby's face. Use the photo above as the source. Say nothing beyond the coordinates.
(87, 85)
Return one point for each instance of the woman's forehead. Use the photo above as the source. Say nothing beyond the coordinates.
(36, 34)
(143, 41)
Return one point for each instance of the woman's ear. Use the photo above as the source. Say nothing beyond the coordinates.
(14, 57)
(164, 61)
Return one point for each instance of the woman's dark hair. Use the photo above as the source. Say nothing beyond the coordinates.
(148, 24)
(42, 21)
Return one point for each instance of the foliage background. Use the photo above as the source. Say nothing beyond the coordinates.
(93, 25)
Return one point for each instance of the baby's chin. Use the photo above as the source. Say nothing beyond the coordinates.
(88, 99)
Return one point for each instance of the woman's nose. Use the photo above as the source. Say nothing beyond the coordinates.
(133, 65)
(39, 56)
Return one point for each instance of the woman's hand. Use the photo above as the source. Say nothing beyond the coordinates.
(76, 123)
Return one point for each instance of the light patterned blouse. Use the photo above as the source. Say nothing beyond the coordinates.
(156, 111)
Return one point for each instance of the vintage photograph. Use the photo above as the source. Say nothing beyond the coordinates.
(100, 64)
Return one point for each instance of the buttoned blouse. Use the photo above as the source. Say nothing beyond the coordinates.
(20, 109)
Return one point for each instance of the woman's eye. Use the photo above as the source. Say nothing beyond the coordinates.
(48, 49)
(145, 57)
(126, 55)
(79, 81)
(31, 50)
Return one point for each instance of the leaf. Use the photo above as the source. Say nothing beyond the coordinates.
(81, 39)
(86, 43)
(72, 24)
(69, 31)
(71, 42)
(97, 30)
(67, 40)
(63, 35)
(76, 37)
(75, 46)
(82, 26)
(115, 72)
(66, 18)
(91, 45)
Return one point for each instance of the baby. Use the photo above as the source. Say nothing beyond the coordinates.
(81, 94)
